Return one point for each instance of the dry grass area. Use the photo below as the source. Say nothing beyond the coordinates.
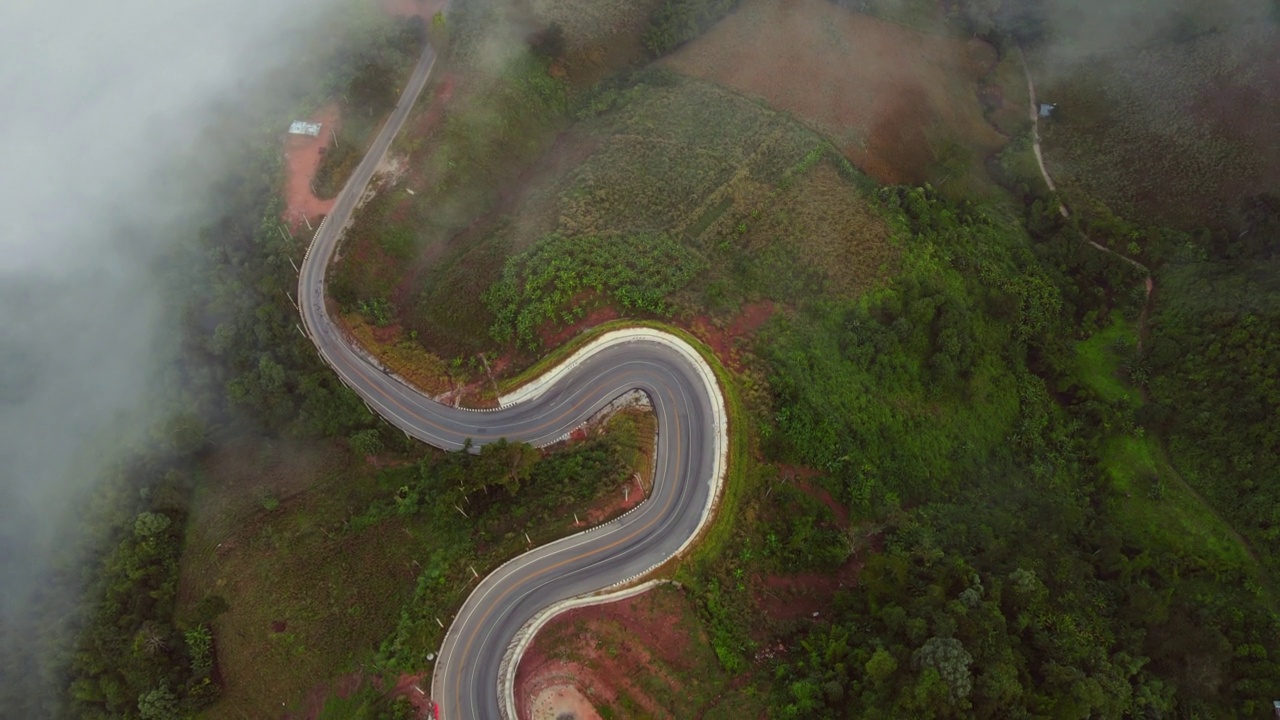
(402, 355)
(306, 598)
(600, 36)
(890, 97)
(835, 233)
(1177, 132)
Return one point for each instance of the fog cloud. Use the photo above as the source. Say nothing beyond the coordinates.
(1082, 30)
(99, 98)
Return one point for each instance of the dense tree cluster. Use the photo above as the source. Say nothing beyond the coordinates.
(134, 660)
(1009, 585)
(1213, 372)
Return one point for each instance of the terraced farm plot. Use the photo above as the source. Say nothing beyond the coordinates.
(895, 101)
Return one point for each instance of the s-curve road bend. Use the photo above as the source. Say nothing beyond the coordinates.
(474, 673)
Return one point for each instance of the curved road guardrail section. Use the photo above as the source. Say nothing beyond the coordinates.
(474, 673)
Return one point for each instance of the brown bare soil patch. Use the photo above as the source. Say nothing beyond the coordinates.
(804, 480)
(562, 702)
(600, 36)
(414, 686)
(313, 703)
(646, 654)
(724, 337)
(800, 595)
(410, 685)
(885, 94)
(302, 155)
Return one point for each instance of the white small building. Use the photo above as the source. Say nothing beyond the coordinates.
(302, 127)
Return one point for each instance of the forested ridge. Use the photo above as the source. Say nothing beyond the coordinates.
(1014, 582)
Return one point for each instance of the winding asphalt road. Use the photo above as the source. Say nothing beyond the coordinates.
(466, 680)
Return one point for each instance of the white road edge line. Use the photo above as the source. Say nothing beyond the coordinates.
(539, 386)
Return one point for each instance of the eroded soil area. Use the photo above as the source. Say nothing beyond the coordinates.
(727, 338)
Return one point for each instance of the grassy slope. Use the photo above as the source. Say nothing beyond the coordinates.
(335, 593)
(760, 199)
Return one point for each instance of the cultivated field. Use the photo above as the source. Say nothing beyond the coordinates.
(732, 202)
(897, 102)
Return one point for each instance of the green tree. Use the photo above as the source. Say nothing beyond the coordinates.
(158, 704)
(949, 658)
(365, 443)
(148, 524)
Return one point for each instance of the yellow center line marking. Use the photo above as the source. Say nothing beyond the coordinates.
(678, 455)
(413, 415)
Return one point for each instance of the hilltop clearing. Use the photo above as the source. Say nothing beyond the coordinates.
(900, 103)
